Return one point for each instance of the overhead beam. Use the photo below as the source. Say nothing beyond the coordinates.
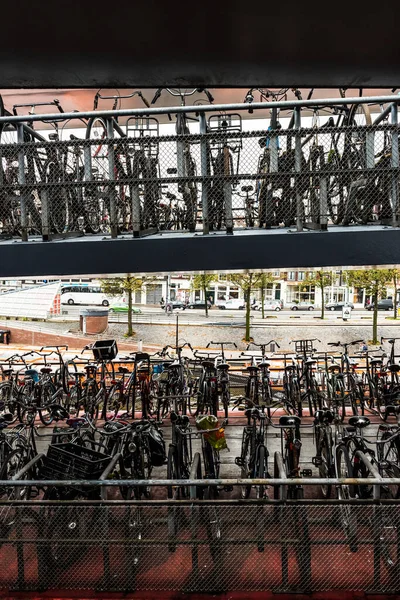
(352, 246)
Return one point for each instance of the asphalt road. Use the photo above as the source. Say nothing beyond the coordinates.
(155, 315)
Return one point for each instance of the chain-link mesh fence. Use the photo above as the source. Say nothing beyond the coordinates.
(209, 547)
(131, 179)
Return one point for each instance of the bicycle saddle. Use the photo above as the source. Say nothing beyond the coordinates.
(123, 370)
(290, 367)
(333, 368)
(324, 415)
(58, 412)
(223, 366)
(111, 426)
(7, 371)
(394, 368)
(289, 421)
(359, 422)
(250, 368)
(264, 364)
(207, 364)
(310, 361)
(46, 370)
(252, 412)
(375, 361)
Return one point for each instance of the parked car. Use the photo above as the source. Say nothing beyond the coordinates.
(234, 303)
(303, 306)
(176, 305)
(386, 304)
(123, 308)
(197, 304)
(268, 305)
(338, 305)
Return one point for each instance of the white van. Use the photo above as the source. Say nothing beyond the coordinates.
(234, 303)
(83, 294)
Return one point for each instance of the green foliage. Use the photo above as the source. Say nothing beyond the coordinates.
(320, 279)
(374, 281)
(264, 280)
(247, 282)
(118, 286)
(202, 281)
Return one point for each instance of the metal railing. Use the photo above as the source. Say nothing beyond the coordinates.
(123, 178)
(198, 546)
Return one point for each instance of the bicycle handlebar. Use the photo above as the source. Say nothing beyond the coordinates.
(118, 97)
(309, 340)
(56, 347)
(263, 345)
(221, 344)
(55, 102)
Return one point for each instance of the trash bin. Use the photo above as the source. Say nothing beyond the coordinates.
(5, 335)
(93, 320)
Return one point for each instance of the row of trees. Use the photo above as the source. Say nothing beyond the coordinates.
(374, 281)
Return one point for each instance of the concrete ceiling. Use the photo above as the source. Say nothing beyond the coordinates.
(157, 43)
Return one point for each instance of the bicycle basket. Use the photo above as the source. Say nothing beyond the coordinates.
(72, 461)
(105, 349)
(302, 346)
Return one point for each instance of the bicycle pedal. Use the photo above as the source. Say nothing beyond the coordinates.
(239, 461)
(316, 461)
(306, 473)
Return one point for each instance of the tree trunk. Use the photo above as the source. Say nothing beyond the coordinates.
(395, 297)
(262, 301)
(375, 320)
(322, 302)
(205, 298)
(247, 296)
(130, 330)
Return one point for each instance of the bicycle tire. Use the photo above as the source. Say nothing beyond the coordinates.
(47, 391)
(262, 471)
(389, 521)
(13, 463)
(90, 405)
(347, 514)
(325, 467)
(7, 404)
(245, 464)
(66, 534)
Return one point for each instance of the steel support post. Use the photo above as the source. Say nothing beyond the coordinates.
(205, 185)
(273, 145)
(395, 163)
(111, 177)
(297, 146)
(228, 192)
(21, 181)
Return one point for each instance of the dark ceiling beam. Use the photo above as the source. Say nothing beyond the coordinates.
(261, 250)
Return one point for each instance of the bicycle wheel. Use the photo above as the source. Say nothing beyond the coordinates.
(115, 401)
(225, 398)
(89, 399)
(24, 400)
(47, 391)
(324, 452)
(390, 451)
(381, 400)
(68, 374)
(262, 471)
(389, 524)
(7, 402)
(57, 196)
(14, 462)
(245, 463)
(67, 532)
(348, 517)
